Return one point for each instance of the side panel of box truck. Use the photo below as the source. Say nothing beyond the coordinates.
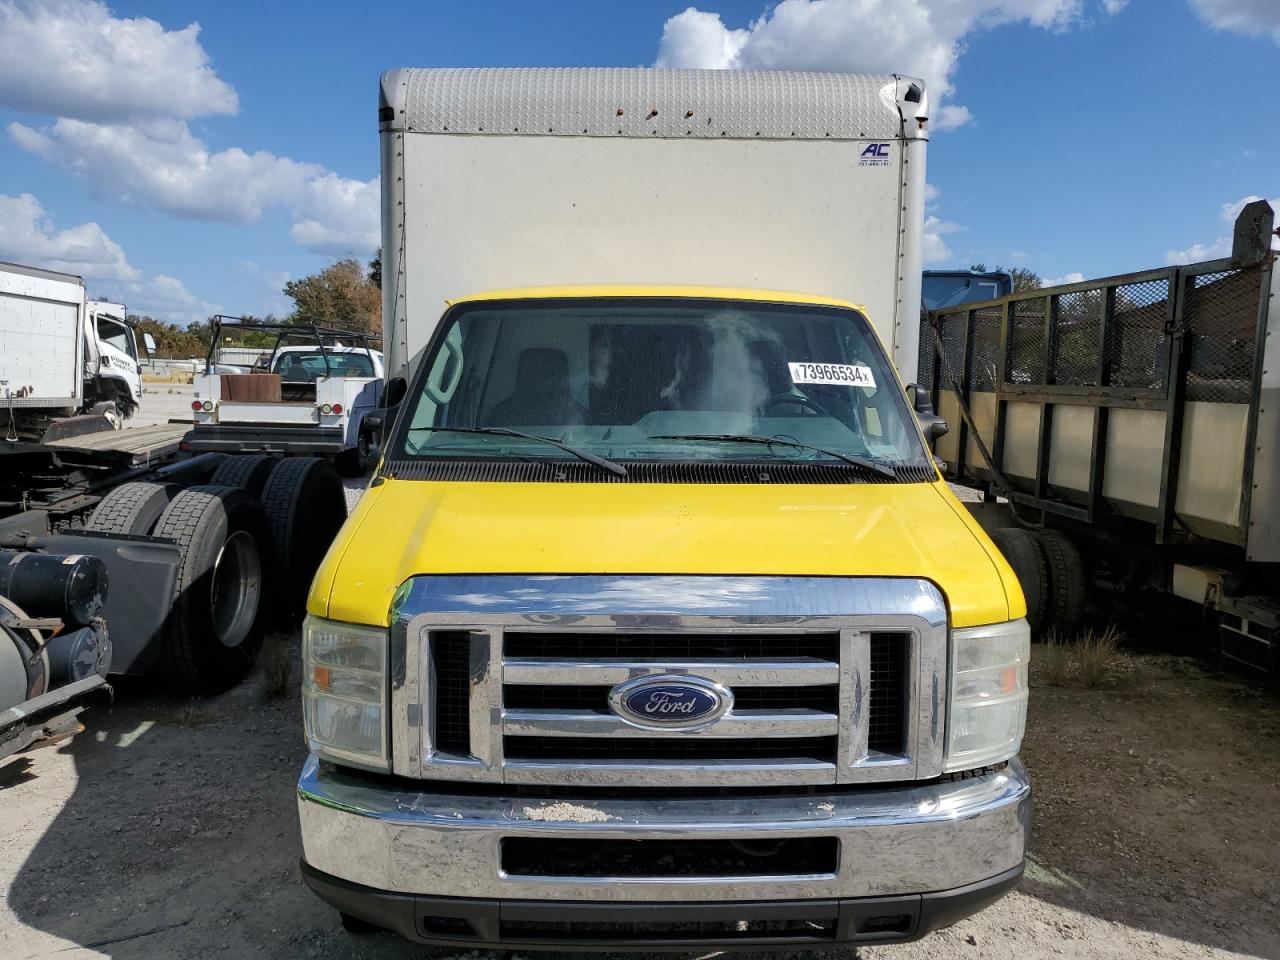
(40, 315)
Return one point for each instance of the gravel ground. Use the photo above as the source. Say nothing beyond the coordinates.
(162, 402)
(169, 830)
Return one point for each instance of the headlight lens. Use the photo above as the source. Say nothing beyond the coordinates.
(988, 702)
(344, 692)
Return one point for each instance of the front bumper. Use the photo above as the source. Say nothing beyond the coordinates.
(429, 863)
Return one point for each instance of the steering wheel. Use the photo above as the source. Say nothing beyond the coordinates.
(799, 399)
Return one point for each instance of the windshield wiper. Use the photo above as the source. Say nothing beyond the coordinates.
(616, 469)
(881, 468)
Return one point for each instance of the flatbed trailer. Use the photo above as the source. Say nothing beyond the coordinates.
(1130, 426)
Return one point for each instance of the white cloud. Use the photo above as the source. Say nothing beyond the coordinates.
(162, 297)
(122, 90)
(72, 58)
(1221, 246)
(934, 248)
(161, 164)
(1230, 211)
(1074, 276)
(952, 116)
(923, 38)
(28, 236)
(931, 193)
(697, 39)
(1114, 6)
(1241, 16)
(1200, 251)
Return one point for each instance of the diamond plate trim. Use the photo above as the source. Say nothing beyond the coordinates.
(643, 102)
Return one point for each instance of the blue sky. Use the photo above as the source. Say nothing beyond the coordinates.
(193, 171)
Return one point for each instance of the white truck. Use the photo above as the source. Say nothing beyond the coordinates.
(63, 357)
(308, 393)
(657, 627)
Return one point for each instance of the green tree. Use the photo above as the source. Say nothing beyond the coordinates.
(375, 269)
(172, 341)
(1023, 279)
(340, 295)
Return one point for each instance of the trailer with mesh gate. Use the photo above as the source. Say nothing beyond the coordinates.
(1125, 433)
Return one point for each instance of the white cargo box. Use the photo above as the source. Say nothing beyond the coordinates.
(40, 345)
(499, 178)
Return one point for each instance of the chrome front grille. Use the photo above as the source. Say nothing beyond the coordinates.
(510, 682)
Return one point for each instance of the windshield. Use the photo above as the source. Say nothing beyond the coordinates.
(305, 366)
(658, 379)
(117, 335)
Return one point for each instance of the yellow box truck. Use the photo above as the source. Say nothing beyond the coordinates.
(657, 627)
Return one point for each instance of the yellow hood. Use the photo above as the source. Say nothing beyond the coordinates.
(404, 528)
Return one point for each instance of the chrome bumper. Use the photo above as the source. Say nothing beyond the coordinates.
(893, 840)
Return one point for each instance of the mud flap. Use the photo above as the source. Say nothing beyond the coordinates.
(141, 573)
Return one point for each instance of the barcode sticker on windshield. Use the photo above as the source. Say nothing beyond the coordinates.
(836, 374)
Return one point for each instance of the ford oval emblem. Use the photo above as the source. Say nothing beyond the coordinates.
(661, 703)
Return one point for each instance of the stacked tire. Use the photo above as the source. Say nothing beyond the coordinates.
(251, 540)
(1051, 572)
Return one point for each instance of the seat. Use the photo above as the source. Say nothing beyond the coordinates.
(541, 395)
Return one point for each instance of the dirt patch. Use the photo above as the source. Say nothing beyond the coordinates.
(169, 829)
(564, 812)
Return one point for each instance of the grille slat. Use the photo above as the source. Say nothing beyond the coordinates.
(595, 699)
(666, 647)
(688, 749)
(750, 723)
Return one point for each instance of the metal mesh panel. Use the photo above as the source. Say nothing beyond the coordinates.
(1026, 341)
(1077, 343)
(1139, 343)
(924, 373)
(1221, 318)
(984, 349)
(952, 329)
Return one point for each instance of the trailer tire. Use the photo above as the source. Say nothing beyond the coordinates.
(305, 505)
(131, 508)
(1068, 583)
(214, 628)
(247, 470)
(1025, 556)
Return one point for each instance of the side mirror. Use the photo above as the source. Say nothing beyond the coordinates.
(148, 344)
(934, 426)
(397, 387)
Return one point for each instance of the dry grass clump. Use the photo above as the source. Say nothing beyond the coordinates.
(1085, 661)
(275, 663)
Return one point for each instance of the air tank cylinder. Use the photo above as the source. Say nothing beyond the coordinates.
(71, 587)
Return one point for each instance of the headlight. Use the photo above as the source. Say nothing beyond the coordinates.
(344, 692)
(988, 697)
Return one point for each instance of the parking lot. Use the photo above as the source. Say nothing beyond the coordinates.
(169, 829)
